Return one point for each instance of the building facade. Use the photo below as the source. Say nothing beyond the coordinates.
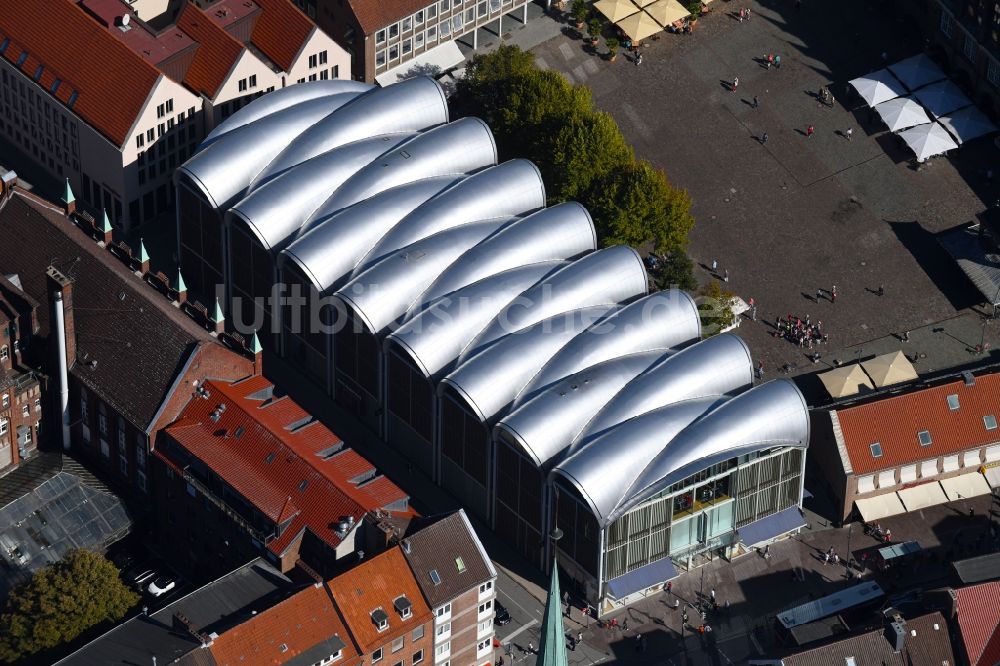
(20, 388)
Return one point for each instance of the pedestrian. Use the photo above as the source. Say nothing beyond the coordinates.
(753, 313)
(743, 14)
(531, 648)
(826, 558)
(701, 629)
(715, 266)
(836, 558)
(677, 603)
(638, 59)
(767, 552)
(625, 624)
(755, 103)
(888, 536)
(972, 512)
(763, 139)
(809, 131)
(833, 294)
(777, 62)
(725, 276)
(711, 592)
(881, 290)
(684, 616)
(638, 642)
(819, 294)
(748, 13)
(670, 587)
(726, 606)
(760, 375)
(770, 60)
(572, 644)
(736, 83)
(906, 336)
(849, 133)
(708, 628)
(579, 637)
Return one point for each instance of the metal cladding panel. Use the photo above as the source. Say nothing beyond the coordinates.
(503, 191)
(412, 106)
(659, 321)
(564, 231)
(609, 276)
(716, 366)
(463, 146)
(333, 244)
(226, 167)
(435, 337)
(381, 294)
(489, 380)
(283, 98)
(277, 209)
(768, 415)
(546, 425)
(626, 450)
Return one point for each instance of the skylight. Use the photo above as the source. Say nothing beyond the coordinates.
(72, 99)
(21, 58)
(925, 438)
(435, 577)
(55, 86)
(953, 402)
(460, 563)
(876, 450)
(303, 484)
(990, 422)
(4, 44)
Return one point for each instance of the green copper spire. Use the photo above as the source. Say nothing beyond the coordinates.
(143, 255)
(552, 645)
(105, 222)
(181, 285)
(218, 316)
(68, 197)
(255, 347)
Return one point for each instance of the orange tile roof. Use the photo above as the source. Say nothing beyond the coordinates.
(373, 15)
(217, 51)
(978, 608)
(303, 621)
(376, 583)
(112, 82)
(280, 31)
(279, 470)
(894, 423)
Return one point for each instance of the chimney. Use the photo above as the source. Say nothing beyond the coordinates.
(182, 288)
(895, 632)
(258, 360)
(8, 182)
(57, 282)
(61, 288)
(182, 624)
(68, 200)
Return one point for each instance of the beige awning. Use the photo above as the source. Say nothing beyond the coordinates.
(889, 369)
(992, 475)
(881, 506)
(922, 496)
(616, 10)
(666, 12)
(644, 3)
(639, 26)
(846, 380)
(965, 486)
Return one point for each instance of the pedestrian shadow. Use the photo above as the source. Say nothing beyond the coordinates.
(748, 102)
(810, 297)
(802, 132)
(872, 291)
(727, 85)
(761, 62)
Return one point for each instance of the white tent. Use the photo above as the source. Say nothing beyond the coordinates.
(928, 140)
(967, 124)
(942, 97)
(917, 71)
(901, 113)
(878, 87)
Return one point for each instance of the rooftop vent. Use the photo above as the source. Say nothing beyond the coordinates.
(283, 647)
(239, 432)
(406, 546)
(215, 416)
(970, 379)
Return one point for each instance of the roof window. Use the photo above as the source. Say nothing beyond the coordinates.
(876, 450)
(72, 99)
(435, 577)
(953, 402)
(303, 484)
(925, 437)
(990, 422)
(21, 58)
(55, 86)
(270, 457)
(38, 72)
(381, 619)
(4, 44)
(460, 563)
(283, 647)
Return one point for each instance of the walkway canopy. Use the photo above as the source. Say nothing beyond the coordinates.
(928, 140)
(432, 62)
(888, 369)
(879, 507)
(942, 97)
(666, 12)
(917, 71)
(845, 381)
(967, 124)
(877, 87)
(639, 26)
(901, 113)
(615, 10)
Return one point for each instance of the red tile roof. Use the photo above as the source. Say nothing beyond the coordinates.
(217, 52)
(112, 82)
(373, 584)
(373, 15)
(303, 621)
(979, 621)
(894, 423)
(306, 474)
(280, 31)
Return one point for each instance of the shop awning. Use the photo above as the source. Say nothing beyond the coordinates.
(891, 368)
(435, 61)
(965, 486)
(639, 26)
(880, 506)
(992, 475)
(878, 87)
(772, 527)
(846, 380)
(644, 577)
(922, 496)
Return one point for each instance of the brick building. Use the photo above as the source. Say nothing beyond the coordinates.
(977, 616)
(20, 388)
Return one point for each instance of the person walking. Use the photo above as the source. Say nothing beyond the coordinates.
(833, 294)
(881, 290)
(770, 60)
(711, 592)
(849, 133)
(763, 139)
(777, 61)
(638, 59)
(531, 648)
(670, 587)
(625, 624)
(579, 637)
(755, 102)
(810, 131)
(638, 642)
(736, 83)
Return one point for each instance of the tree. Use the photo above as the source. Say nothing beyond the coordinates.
(60, 602)
(716, 308)
(675, 270)
(584, 148)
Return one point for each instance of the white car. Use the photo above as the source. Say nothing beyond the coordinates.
(161, 585)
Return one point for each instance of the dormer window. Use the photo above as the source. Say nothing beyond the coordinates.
(381, 619)
(403, 606)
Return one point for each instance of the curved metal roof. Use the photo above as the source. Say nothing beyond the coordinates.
(544, 426)
(489, 380)
(627, 450)
(278, 208)
(383, 292)
(336, 243)
(716, 366)
(436, 336)
(661, 320)
(419, 105)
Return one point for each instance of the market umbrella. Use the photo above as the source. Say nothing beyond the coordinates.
(901, 113)
(941, 98)
(615, 10)
(890, 368)
(928, 140)
(639, 26)
(846, 380)
(643, 3)
(878, 87)
(917, 71)
(967, 124)
(666, 12)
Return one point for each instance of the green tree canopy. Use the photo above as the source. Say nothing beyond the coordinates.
(584, 149)
(715, 306)
(60, 602)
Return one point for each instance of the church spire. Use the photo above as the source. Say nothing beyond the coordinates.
(552, 645)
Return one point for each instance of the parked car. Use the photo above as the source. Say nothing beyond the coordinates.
(161, 585)
(502, 616)
(141, 579)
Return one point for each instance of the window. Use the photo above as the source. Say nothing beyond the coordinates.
(432, 12)
(38, 404)
(25, 410)
(435, 577)
(969, 48)
(102, 424)
(394, 52)
(324, 75)
(444, 629)
(3, 425)
(486, 587)
(925, 437)
(380, 58)
(170, 106)
(123, 464)
(381, 619)
(481, 9)
(243, 85)
(993, 72)
(149, 134)
(161, 111)
(393, 30)
(4, 353)
(432, 33)
(990, 422)
(876, 450)
(485, 607)
(312, 61)
(460, 564)
(953, 402)
(445, 28)
(140, 479)
(947, 24)
(377, 655)
(407, 24)
(456, 23)
(322, 57)
(482, 645)
(418, 657)
(105, 449)
(418, 18)
(444, 649)
(444, 612)
(140, 140)
(253, 80)
(445, 5)
(418, 40)
(5, 401)
(27, 436)
(470, 15)
(380, 37)
(398, 643)
(407, 46)
(418, 633)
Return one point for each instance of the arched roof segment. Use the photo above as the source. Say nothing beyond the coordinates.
(436, 336)
(278, 208)
(413, 106)
(627, 450)
(383, 292)
(661, 320)
(768, 415)
(331, 249)
(544, 426)
(489, 380)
